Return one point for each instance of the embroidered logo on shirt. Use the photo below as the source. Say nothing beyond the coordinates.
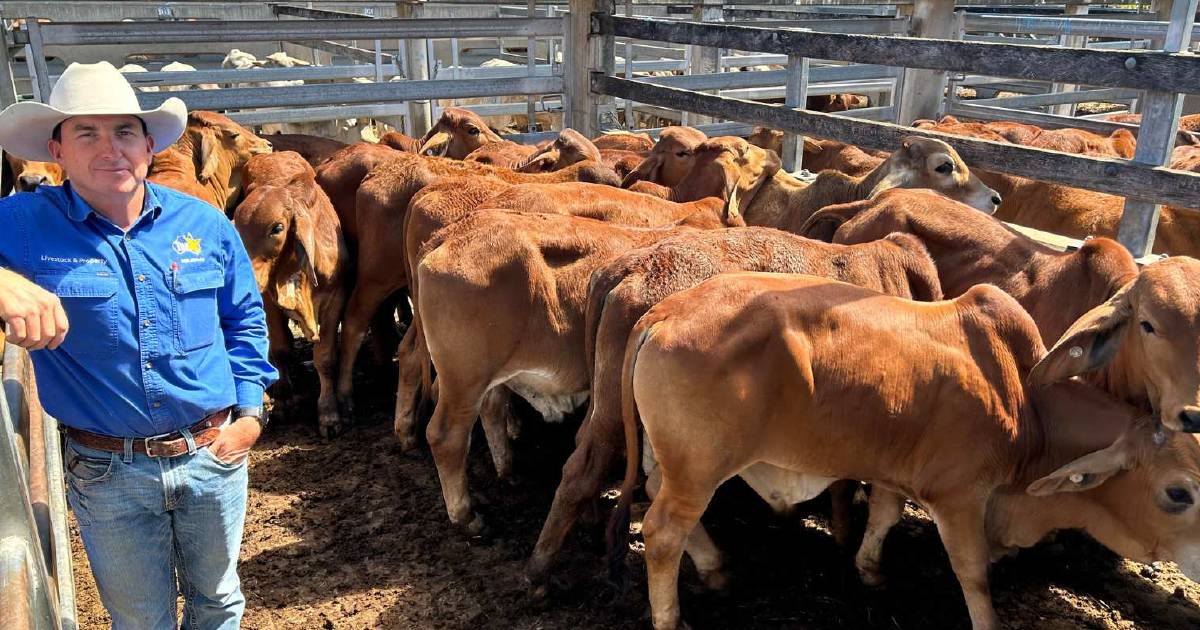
(186, 244)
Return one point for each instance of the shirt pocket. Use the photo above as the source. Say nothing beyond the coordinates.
(90, 302)
(194, 293)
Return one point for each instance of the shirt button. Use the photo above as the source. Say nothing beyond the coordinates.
(149, 365)
(141, 277)
(156, 404)
(128, 237)
(145, 323)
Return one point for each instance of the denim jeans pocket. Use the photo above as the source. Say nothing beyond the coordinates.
(212, 457)
(88, 469)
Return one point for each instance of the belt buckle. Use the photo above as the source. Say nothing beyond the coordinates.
(146, 443)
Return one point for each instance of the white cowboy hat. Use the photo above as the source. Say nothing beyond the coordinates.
(85, 89)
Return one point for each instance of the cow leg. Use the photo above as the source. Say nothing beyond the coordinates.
(364, 303)
(672, 518)
(449, 436)
(495, 413)
(383, 329)
(408, 386)
(325, 355)
(279, 339)
(841, 508)
(699, 546)
(883, 512)
(581, 482)
(961, 527)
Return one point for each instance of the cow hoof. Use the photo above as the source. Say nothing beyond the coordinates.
(539, 592)
(475, 527)
(408, 443)
(329, 431)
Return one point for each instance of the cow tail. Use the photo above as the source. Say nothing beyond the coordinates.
(618, 525)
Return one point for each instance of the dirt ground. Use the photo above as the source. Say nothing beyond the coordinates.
(352, 533)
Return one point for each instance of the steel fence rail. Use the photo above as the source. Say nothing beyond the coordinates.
(85, 33)
(353, 93)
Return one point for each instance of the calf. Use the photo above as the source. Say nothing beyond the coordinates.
(381, 207)
(623, 290)
(505, 154)
(620, 140)
(449, 200)
(775, 199)
(524, 277)
(292, 234)
(456, 134)
(1120, 143)
(571, 147)
(670, 159)
(822, 155)
(211, 154)
(314, 149)
(26, 175)
(792, 382)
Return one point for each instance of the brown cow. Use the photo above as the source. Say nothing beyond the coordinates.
(970, 248)
(623, 290)
(620, 140)
(571, 147)
(670, 159)
(779, 200)
(526, 276)
(822, 155)
(505, 154)
(456, 134)
(400, 142)
(314, 149)
(340, 175)
(26, 175)
(450, 199)
(1120, 143)
(1083, 299)
(381, 207)
(793, 382)
(294, 239)
(217, 149)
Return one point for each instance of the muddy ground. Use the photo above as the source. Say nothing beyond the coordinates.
(352, 533)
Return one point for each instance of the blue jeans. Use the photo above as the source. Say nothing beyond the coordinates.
(149, 521)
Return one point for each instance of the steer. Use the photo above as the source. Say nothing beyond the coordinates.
(623, 290)
(209, 157)
(501, 302)
(300, 261)
(792, 382)
(784, 202)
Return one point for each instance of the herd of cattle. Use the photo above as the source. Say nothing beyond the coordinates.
(722, 318)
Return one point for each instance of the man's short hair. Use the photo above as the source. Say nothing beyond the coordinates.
(56, 135)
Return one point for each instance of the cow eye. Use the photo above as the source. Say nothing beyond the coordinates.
(1178, 499)
(474, 131)
(233, 135)
(1147, 327)
(945, 168)
(681, 154)
(276, 229)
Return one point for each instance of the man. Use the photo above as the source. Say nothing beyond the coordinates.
(146, 330)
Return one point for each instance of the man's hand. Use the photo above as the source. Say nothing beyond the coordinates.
(34, 318)
(236, 440)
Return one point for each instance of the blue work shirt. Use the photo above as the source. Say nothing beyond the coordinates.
(166, 324)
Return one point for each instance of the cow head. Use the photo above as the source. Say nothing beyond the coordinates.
(504, 154)
(278, 226)
(568, 148)
(670, 159)
(457, 133)
(222, 144)
(1139, 495)
(27, 175)
(1151, 329)
(928, 163)
(727, 166)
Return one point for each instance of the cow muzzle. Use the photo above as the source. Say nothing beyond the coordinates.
(1186, 420)
(30, 183)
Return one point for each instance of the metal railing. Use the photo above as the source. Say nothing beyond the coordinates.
(36, 585)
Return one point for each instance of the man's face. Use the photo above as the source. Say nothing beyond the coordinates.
(108, 154)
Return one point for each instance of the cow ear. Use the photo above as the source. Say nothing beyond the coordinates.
(1089, 471)
(758, 166)
(811, 146)
(1089, 344)
(210, 156)
(304, 239)
(649, 170)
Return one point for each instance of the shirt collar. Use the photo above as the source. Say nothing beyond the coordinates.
(79, 209)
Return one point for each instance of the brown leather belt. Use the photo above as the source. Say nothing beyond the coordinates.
(168, 445)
